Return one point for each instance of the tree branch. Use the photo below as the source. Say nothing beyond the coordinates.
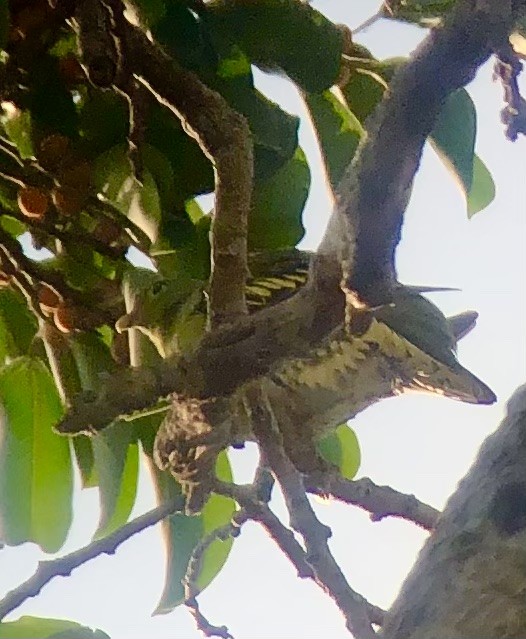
(380, 501)
(374, 192)
(224, 136)
(63, 566)
(328, 574)
(470, 578)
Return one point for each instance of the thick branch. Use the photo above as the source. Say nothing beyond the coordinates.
(224, 136)
(373, 195)
(63, 566)
(470, 578)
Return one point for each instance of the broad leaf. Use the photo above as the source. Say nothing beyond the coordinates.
(39, 628)
(182, 533)
(17, 325)
(19, 127)
(116, 462)
(363, 91)
(113, 177)
(50, 101)
(276, 218)
(10, 224)
(338, 130)
(280, 34)
(36, 479)
(453, 136)
(85, 458)
(483, 189)
(192, 171)
(341, 448)
(103, 121)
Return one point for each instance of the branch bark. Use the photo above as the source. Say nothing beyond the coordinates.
(374, 192)
(470, 578)
(224, 136)
(63, 566)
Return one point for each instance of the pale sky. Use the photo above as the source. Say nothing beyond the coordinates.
(416, 443)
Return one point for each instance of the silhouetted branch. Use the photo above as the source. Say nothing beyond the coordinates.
(327, 573)
(63, 566)
(380, 501)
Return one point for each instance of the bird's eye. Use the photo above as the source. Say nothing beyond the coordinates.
(159, 286)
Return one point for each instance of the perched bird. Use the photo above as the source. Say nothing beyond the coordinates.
(405, 344)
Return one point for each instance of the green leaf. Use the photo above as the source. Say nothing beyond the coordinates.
(39, 628)
(103, 121)
(192, 171)
(363, 91)
(341, 448)
(162, 173)
(283, 34)
(180, 32)
(182, 533)
(93, 360)
(113, 177)
(453, 137)
(482, 191)
(276, 218)
(338, 130)
(11, 225)
(19, 128)
(18, 326)
(36, 479)
(116, 457)
(50, 101)
(275, 132)
(83, 449)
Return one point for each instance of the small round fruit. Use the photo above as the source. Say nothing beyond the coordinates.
(66, 318)
(54, 150)
(48, 300)
(67, 200)
(33, 202)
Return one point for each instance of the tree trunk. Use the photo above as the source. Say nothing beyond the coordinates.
(470, 578)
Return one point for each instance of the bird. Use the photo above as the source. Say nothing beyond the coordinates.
(405, 344)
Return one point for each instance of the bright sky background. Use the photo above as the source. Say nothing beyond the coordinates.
(414, 443)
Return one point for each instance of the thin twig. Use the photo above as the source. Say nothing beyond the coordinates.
(327, 572)
(260, 512)
(369, 22)
(205, 627)
(63, 566)
(195, 563)
(380, 501)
